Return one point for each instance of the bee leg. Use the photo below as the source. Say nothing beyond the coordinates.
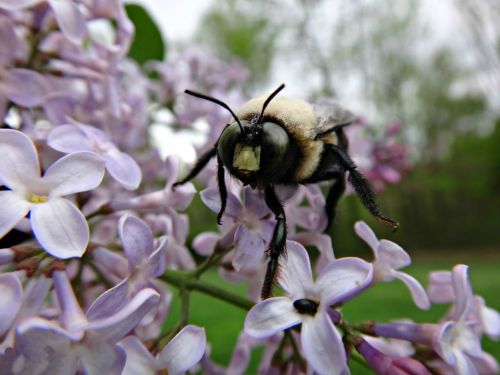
(222, 189)
(278, 241)
(361, 186)
(332, 199)
(199, 165)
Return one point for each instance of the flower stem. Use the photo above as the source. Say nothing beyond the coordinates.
(185, 280)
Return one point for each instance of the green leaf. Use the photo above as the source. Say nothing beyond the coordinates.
(148, 42)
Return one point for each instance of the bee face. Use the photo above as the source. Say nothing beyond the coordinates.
(254, 151)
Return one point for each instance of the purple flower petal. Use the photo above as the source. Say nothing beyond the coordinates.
(392, 255)
(137, 239)
(440, 289)
(25, 87)
(366, 234)
(19, 159)
(101, 358)
(342, 279)
(204, 243)
(18, 4)
(126, 319)
(70, 20)
(296, 275)
(123, 168)
(14, 208)
(157, 261)
(60, 228)
(72, 316)
(10, 299)
(254, 202)
(184, 350)
(270, 316)
(139, 359)
(74, 173)
(68, 139)
(416, 289)
(109, 302)
(249, 248)
(211, 198)
(322, 345)
(462, 290)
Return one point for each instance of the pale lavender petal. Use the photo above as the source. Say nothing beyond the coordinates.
(68, 139)
(489, 318)
(416, 289)
(322, 345)
(172, 165)
(184, 350)
(204, 243)
(270, 316)
(342, 279)
(37, 337)
(440, 289)
(6, 255)
(25, 87)
(74, 173)
(14, 208)
(114, 265)
(157, 261)
(211, 198)
(72, 316)
(253, 201)
(139, 359)
(462, 290)
(123, 169)
(296, 275)
(60, 228)
(126, 319)
(19, 159)
(34, 297)
(109, 302)
(10, 299)
(137, 239)
(17, 4)
(99, 358)
(366, 234)
(249, 248)
(392, 255)
(70, 20)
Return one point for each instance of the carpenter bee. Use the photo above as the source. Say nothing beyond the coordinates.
(283, 140)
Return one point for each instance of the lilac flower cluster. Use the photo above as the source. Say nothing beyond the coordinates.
(89, 287)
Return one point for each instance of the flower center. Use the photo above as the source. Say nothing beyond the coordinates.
(306, 306)
(35, 198)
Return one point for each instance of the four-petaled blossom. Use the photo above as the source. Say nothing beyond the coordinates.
(61, 347)
(309, 302)
(79, 137)
(178, 356)
(57, 223)
(389, 257)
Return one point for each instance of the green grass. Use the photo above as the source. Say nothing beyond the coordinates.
(384, 302)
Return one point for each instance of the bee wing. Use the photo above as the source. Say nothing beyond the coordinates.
(330, 115)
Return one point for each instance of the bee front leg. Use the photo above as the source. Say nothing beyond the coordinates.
(199, 165)
(278, 241)
(221, 182)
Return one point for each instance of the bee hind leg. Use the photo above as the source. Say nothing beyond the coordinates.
(278, 241)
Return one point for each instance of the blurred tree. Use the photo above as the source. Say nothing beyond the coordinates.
(242, 29)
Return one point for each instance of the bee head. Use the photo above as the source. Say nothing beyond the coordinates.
(254, 149)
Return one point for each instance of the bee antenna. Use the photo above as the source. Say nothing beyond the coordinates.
(268, 100)
(217, 101)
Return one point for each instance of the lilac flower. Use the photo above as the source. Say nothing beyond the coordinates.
(389, 257)
(384, 364)
(145, 263)
(79, 137)
(177, 199)
(253, 224)
(57, 223)
(73, 341)
(309, 303)
(441, 290)
(10, 299)
(456, 341)
(178, 356)
(68, 15)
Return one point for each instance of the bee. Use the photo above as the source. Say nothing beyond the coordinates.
(284, 140)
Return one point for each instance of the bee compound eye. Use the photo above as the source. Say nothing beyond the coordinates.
(275, 146)
(227, 143)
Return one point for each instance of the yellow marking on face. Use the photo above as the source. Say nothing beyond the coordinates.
(35, 198)
(246, 158)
